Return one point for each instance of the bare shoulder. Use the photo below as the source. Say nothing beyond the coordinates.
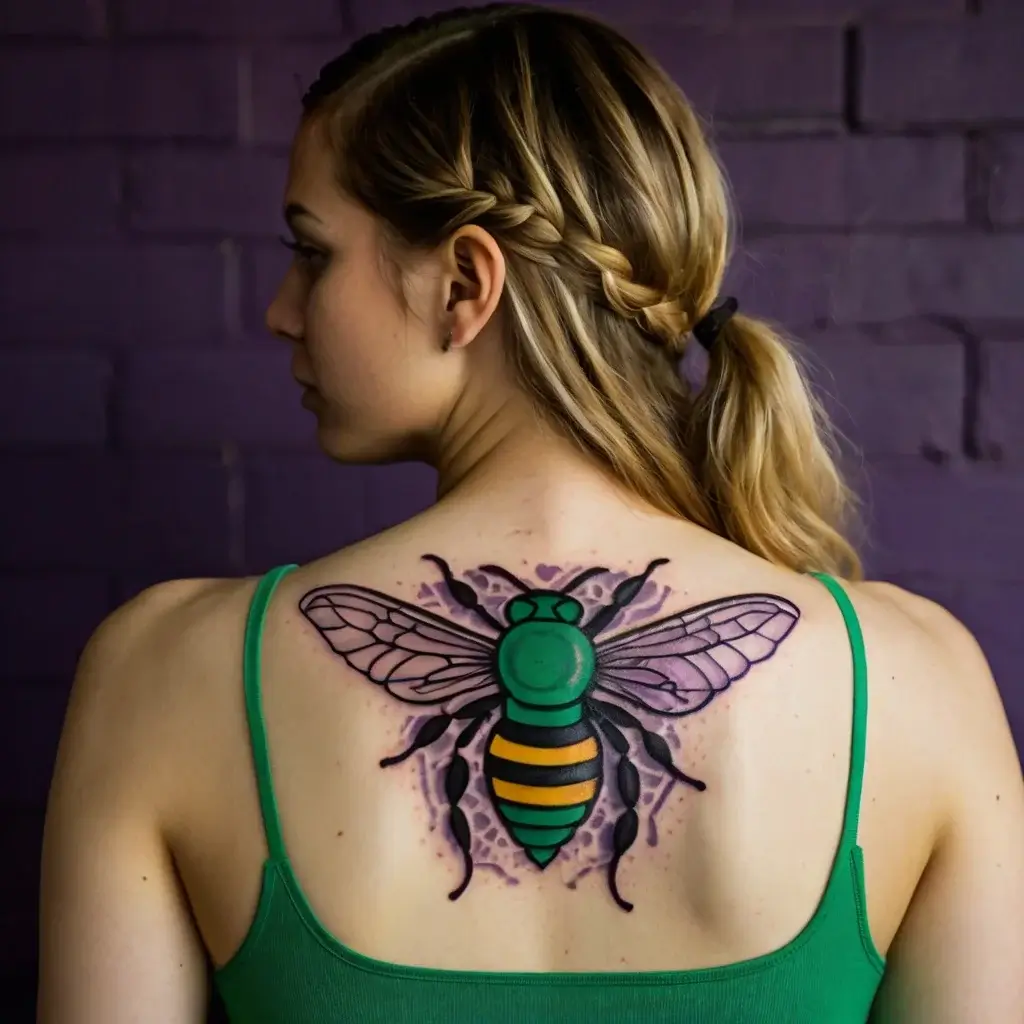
(911, 622)
(158, 612)
(926, 615)
(928, 668)
(166, 628)
(140, 677)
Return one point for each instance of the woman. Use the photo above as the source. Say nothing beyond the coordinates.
(588, 739)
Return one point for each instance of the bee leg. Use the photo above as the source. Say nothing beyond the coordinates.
(627, 780)
(656, 747)
(480, 708)
(429, 732)
(463, 593)
(456, 780)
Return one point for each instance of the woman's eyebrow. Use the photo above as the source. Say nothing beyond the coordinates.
(294, 210)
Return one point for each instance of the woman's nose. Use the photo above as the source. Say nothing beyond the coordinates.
(284, 318)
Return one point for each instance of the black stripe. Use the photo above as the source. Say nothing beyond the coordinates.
(543, 735)
(541, 774)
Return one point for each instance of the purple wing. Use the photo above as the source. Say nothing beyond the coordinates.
(415, 655)
(676, 665)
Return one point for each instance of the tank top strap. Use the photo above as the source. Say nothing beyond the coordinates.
(252, 681)
(858, 740)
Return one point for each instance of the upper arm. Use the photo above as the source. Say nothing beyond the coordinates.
(117, 942)
(958, 957)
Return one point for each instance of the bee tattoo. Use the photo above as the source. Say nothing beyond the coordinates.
(558, 696)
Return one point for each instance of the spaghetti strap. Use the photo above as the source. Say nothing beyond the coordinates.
(860, 708)
(251, 681)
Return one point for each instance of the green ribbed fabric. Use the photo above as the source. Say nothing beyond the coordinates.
(290, 970)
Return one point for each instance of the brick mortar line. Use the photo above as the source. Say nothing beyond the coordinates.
(852, 79)
(978, 180)
(973, 379)
(347, 15)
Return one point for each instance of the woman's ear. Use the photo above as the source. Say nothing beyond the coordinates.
(476, 281)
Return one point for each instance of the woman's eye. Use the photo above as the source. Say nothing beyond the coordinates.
(306, 256)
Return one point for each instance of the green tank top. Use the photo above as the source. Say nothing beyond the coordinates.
(291, 970)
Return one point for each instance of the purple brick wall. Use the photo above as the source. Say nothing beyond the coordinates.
(148, 427)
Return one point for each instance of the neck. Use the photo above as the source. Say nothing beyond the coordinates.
(517, 474)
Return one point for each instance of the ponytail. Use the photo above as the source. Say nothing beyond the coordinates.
(764, 454)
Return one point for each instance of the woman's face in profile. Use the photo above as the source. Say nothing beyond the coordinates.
(371, 365)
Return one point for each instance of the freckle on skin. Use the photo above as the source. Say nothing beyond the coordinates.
(145, 879)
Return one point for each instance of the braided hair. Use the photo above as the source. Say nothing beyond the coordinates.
(582, 158)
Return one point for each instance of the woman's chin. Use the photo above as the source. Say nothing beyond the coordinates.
(359, 449)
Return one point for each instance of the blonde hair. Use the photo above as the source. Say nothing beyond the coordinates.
(590, 169)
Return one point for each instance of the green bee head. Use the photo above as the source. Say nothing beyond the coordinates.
(544, 658)
(543, 606)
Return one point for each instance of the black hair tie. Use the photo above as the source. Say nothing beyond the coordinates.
(708, 327)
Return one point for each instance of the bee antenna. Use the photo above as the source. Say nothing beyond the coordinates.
(496, 570)
(582, 578)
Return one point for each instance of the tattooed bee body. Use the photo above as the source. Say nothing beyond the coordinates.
(559, 695)
(543, 789)
(543, 761)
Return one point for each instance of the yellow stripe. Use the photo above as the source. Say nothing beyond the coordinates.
(546, 796)
(585, 750)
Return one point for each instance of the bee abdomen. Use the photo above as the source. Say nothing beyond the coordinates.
(544, 782)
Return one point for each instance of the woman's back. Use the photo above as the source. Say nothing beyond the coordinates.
(734, 872)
